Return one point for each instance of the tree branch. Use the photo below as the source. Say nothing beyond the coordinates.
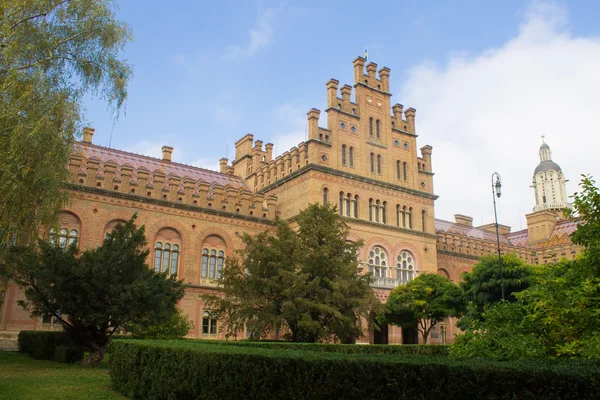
(44, 14)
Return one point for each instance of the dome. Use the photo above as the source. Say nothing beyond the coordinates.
(546, 166)
(544, 146)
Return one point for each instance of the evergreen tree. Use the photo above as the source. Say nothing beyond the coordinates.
(304, 283)
(95, 294)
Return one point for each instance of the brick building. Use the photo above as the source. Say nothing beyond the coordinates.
(366, 161)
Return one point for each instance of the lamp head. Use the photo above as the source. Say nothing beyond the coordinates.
(498, 187)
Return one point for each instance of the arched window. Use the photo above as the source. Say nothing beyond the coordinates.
(379, 164)
(212, 263)
(370, 209)
(378, 262)
(209, 323)
(377, 207)
(398, 216)
(404, 168)
(351, 156)
(356, 206)
(377, 129)
(423, 220)
(343, 154)
(213, 257)
(325, 193)
(65, 237)
(341, 205)
(404, 212)
(166, 258)
(348, 201)
(372, 159)
(410, 218)
(405, 267)
(384, 212)
(371, 126)
(398, 174)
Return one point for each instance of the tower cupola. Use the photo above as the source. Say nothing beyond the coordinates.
(549, 183)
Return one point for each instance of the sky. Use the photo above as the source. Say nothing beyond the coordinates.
(488, 79)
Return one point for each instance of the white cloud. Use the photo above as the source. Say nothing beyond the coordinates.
(291, 119)
(146, 148)
(486, 112)
(260, 36)
(211, 163)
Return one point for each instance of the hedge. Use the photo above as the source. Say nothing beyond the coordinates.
(185, 370)
(430, 350)
(45, 345)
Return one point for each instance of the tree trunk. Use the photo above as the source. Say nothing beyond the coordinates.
(95, 358)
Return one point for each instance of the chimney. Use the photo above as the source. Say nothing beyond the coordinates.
(167, 151)
(223, 165)
(463, 220)
(88, 133)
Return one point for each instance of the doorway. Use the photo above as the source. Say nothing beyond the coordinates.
(410, 335)
(380, 336)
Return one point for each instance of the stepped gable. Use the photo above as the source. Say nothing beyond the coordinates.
(151, 164)
(473, 232)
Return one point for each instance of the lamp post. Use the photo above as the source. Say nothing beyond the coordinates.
(497, 192)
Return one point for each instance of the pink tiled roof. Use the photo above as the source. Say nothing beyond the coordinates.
(475, 233)
(151, 164)
(519, 238)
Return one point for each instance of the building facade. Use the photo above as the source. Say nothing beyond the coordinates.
(366, 161)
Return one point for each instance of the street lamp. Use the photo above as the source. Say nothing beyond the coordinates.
(497, 192)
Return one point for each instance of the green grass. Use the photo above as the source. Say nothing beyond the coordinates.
(24, 378)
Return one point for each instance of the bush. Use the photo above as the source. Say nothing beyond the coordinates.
(41, 345)
(206, 371)
(68, 354)
(429, 350)
(175, 328)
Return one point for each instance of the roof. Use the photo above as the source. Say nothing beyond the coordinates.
(151, 164)
(563, 227)
(469, 231)
(546, 166)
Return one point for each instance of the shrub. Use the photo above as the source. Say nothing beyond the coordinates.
(175, 328)
(68, 354)
(41, 345)
(187, 369)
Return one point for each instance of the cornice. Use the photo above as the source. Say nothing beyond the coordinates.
(372, 88)
(459, 255)
(164, 203)
(390, 227)
(347, 175)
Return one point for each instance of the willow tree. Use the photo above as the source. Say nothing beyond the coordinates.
(52, 53)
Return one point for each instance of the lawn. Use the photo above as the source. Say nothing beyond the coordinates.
(24, 378)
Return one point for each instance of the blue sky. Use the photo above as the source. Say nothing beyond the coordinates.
(487, 80)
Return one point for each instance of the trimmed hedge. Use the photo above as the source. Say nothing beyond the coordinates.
(45, 345)
(428, 350)
(195, 370)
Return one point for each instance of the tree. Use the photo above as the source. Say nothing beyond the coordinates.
(95, 294)
(423, 302)
(52, 53)
(177, 327)
(482, 286)
(558, 314)
(304, 283)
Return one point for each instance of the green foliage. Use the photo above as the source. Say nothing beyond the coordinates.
(96, 294)
(586, 211)
(175, 328)
(423, 302)
(304, 283)
(209, 371)
(416, 349)
(52, 53)
(482, 285)
(503, 333)
(558, 315)
(68, 354)
(41, 345)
